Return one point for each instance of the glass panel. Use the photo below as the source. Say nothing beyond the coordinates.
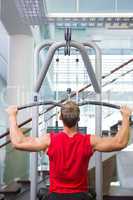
(96, 6)
(124, 5)
(61, 6)
(69, 73)
(117, 180)
(16, 165)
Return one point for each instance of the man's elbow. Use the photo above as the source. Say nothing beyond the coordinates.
(121, 145)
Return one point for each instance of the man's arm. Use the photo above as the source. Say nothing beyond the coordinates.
(22, 142)
(119, 141)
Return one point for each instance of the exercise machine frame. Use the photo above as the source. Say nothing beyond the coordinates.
(38, 80)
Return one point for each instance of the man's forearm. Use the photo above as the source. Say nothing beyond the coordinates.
(16, 135)
(123, 133)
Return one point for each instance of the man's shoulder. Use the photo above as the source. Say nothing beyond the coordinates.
(55, 134)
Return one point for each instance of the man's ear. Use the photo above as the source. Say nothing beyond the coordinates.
(78, 119)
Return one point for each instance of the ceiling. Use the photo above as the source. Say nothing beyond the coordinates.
(11, 19)
(110, 23)
(114, 17)
(113, 14)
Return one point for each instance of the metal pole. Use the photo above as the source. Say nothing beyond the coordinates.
(34, 155)
(98, 129)
(98, 120)
(35, 115)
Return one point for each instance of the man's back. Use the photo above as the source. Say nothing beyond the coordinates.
(69, 157)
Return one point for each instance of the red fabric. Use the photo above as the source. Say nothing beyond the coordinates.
(69, 158)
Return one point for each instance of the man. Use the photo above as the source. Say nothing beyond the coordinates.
(69, 151)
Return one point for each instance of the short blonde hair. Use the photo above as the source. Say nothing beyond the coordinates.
(70, 113)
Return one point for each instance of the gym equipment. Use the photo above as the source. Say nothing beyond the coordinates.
(67, 36)
(74, 93)
(61, 105)
(77, 76)
(69, 93)
(39, 104)
(38, 80)
(99, 103)
(105, 104)
(42, 75)
(57, 93)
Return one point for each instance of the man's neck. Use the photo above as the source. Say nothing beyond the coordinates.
(70, 131)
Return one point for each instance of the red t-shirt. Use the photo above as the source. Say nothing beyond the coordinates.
(69, 158)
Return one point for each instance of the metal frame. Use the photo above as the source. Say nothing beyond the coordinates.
(50, 55)
(98, 125)
(34, 155)
(98, 120)
(38, 80)
(35, 115)
(55, 103)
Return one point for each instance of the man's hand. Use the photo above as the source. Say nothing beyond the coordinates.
(125, 111)
(12, 110)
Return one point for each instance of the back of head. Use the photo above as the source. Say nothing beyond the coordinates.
(70, 114)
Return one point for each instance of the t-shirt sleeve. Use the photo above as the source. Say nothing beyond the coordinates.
(90, 150)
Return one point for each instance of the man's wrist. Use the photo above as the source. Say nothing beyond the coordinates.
(12, 116)
(126, 118)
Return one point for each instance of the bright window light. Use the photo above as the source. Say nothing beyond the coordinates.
(86, 15)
